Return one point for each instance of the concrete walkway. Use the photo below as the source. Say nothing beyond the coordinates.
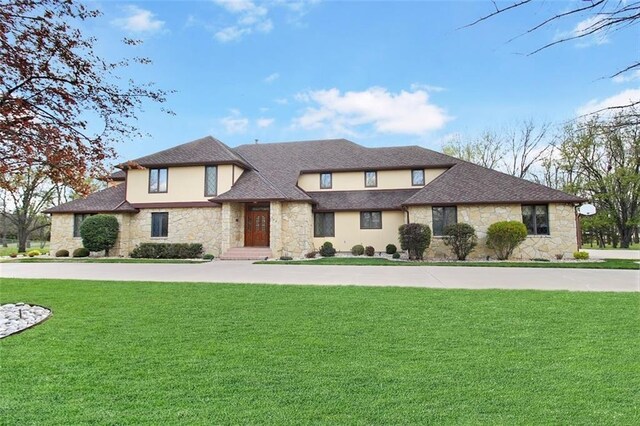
(613, 254)
(398, 276)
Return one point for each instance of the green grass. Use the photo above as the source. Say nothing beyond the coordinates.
(609, 247)
(367, 261)
(95, 260)
(13, 248)
(187, 353)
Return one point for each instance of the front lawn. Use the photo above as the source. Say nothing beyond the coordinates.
(373, 261)
(189, 353)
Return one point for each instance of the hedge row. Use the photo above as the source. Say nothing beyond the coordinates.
(167, 251)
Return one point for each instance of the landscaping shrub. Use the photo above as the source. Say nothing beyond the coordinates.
(81, 252)
(99, 232)
(62, 253)
(327, 250)
(504, 237)
(462, 239)
(13, 255)
(559, 256)
(208, 256)
(391, 249)
(311, 254)
(580, 255)
(415, 238)
(369, 251)
(167, 251)
(286, 258)
(357, 250)
(33, 253)
(396, 255)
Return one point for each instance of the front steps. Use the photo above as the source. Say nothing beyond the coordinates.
(247, 253)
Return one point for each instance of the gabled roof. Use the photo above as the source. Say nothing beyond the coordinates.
(207, 150)
(467, 183)
(251, 186)
(117, 175)
(110, 200)
(361, 200)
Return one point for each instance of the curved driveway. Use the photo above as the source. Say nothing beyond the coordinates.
(398, 276)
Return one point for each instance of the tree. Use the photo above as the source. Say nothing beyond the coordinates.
(99, 232)
(527, 144)
(54, 88)
(31, 192)
(604, 157)
(415, 238)
(462, 239)
(604, 16)
(485, 151)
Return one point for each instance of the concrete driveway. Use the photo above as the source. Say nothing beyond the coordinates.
(409, 276)
(613, 254)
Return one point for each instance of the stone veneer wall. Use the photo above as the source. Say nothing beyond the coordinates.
(231, 226)
(296, 230)
(62, 234)
(562, 225)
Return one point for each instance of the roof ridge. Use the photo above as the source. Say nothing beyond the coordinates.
(268, 182)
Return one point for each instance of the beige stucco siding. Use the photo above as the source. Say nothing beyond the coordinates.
(561, 239)
(353, 181)
(237, 172)
(183, 184)
(348, 232)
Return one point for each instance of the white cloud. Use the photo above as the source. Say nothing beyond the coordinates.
(263, 123)
(281, 101)
(272, 77)
(587, 32)
(250, 18)
(138, 21)
(235, 122)
(427, 87)
(398, 113)
(626, 77)
(623, 98)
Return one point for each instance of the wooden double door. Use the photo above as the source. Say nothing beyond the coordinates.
(256, 225)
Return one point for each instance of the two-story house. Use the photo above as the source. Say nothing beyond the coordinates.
(289, 198)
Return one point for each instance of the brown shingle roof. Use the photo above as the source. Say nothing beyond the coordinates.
(282, 163)
(251, 186)
(108, 200)
(361, 200)
(207, 150)
(467, 183)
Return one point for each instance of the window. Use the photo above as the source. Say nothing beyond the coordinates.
(210, 180)
(370, 179)
(323, 225)
(442, 217)
(325, 181)
(370, 220)
(78, 218)
(158, 180)
(536, 219)
(159, 224)
(417, 177)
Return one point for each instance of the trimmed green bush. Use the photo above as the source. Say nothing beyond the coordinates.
(62, 253)
(81, 252)
(391, 249)
(369, 251)
(311, 254)
(357, 250)
(327, 250)
(13, 254)
(33, 253)
(504, 237)
(208, 256)
(99, 232)
(396, 255)
(415, 238)
(580, 255)
(167, 251)
(462, 239)
(286, 258)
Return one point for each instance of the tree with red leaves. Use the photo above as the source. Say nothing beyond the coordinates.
(62, 107)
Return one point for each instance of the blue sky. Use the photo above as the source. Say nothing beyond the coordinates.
(378, 73)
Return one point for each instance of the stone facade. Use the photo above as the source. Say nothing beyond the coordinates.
(296, 230)
(561, 240)
(231, 227)
(62, 234)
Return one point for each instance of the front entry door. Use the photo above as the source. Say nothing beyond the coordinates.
(256, 226)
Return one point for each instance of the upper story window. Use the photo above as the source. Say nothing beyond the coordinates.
(158, 180)
(159, 224)
(324, 225)
(326, 181)
(78, 218)
(442, 217)
(536, 219)
(370, 220)
(370, 179)
(417, 177)
(210, 180)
